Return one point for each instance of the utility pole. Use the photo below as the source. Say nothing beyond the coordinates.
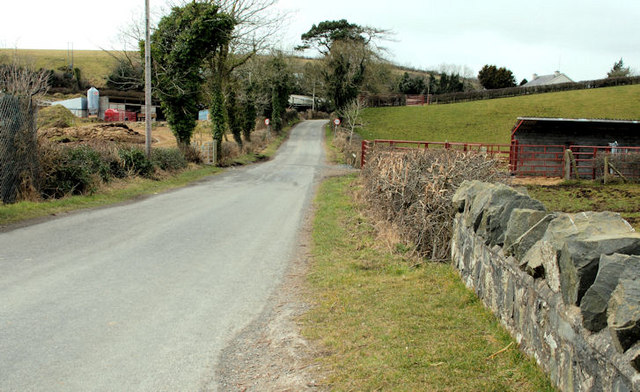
(147, 82)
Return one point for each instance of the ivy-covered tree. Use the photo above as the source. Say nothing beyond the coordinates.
(235, 116)
(250, 112)
(179, 46)
(619, 70)
(280, 88)
(492, 77)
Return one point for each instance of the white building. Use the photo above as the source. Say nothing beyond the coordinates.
(544, 80)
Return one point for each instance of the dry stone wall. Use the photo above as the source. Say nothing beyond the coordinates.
(567, 286)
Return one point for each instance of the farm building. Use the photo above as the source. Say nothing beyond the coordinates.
(118, 105)
(544, 80)
(538, 144)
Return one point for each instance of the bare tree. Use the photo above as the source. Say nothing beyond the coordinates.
(352, 116)
(22, 81)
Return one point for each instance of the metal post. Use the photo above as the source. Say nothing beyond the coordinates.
(147, 82)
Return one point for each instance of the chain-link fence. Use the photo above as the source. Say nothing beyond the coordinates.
(18, 146)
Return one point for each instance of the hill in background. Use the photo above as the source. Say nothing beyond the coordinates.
(94, 64)
(491, 121)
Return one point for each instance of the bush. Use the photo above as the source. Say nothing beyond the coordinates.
(191, 154)
(67, 170)
(229, 151)
(91, 159)
(413, 191)
(168, 159)
(135, 161)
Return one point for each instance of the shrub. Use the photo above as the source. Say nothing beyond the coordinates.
(66, 170)
(135, 161)
(91, 159)
(168, 159)
(229, 151)
(413, 191)
(191, 154)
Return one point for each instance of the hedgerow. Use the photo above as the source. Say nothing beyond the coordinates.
(413, 190)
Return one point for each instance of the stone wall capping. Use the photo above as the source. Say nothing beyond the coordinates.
(554, 293)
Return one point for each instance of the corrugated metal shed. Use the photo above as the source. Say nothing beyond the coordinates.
(77, 106)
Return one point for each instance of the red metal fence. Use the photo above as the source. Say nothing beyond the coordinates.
(532, 160)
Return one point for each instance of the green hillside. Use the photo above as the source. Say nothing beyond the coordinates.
(94, 64)
(491, 121)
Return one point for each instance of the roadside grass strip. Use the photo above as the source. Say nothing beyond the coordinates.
(381, 324)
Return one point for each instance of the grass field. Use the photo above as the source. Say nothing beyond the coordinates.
(491, 121)
(577, 196)
(94, 64)
(383, 325)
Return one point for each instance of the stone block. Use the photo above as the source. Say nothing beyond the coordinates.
(595, 301)
(540, 262)
(623, 315)
(579, 259)
(497, 212)
(466, 193)
(525, 228)
(476, 209)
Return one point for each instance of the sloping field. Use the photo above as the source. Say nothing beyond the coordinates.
(94, 64)
(491, 121)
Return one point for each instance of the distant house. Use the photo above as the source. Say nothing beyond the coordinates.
(544, 80)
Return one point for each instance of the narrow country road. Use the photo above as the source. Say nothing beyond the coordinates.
(144, 296)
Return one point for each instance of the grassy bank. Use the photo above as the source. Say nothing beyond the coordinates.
(491, 121)
(120, 191)
(383, 325)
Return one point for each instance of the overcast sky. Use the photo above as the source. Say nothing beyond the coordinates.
(582, 38)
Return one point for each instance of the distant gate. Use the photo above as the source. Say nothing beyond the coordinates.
(532, 160)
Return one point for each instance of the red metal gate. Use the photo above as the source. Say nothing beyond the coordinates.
(529, 160)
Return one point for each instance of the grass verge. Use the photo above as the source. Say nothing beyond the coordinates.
(120, 191)
(383, 325)
(334, 155)
(578, 196)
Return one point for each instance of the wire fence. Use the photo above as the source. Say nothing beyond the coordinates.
(18, 146)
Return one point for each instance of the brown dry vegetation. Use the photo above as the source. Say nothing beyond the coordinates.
(413, 191)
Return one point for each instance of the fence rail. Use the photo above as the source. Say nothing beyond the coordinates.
(532, 160)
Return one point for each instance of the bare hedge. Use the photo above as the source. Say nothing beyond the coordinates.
(628, 164)
(413, 191)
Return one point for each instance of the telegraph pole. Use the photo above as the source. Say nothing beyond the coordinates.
(147, 82)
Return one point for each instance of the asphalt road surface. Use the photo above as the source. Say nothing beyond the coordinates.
(144, 296)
